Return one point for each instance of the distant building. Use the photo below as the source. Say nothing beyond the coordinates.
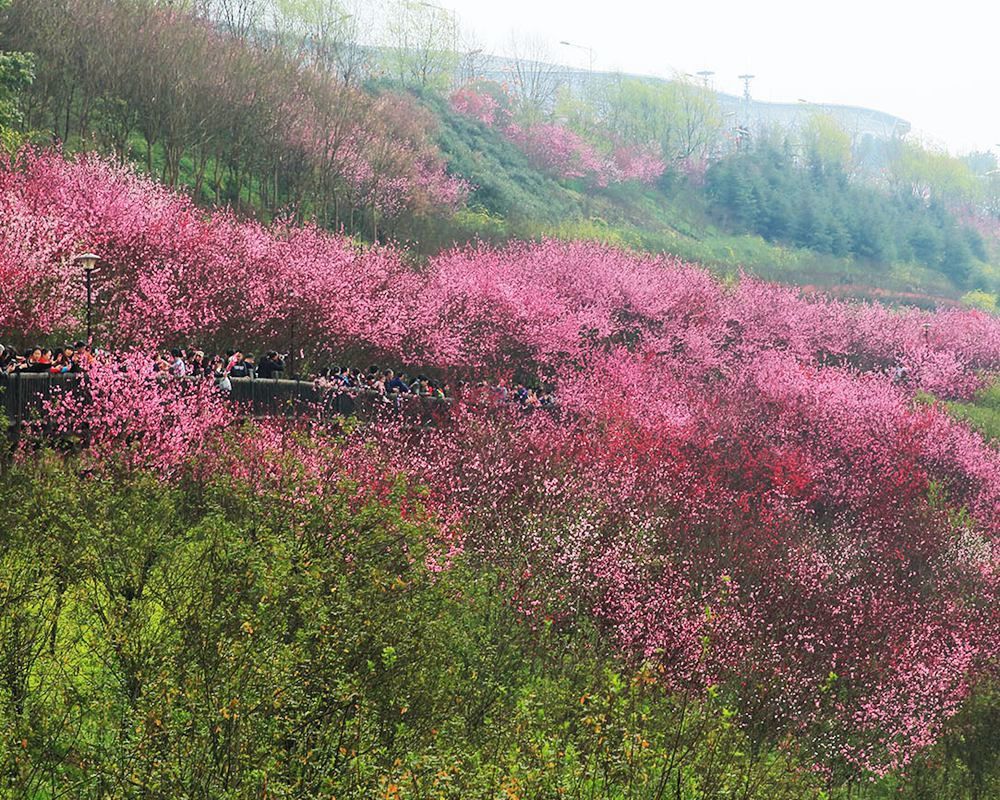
(858, 122)
(755, 116)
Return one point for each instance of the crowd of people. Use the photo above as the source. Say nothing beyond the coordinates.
(384, 382)
(222, 368)
(73, 358)
(387, 383)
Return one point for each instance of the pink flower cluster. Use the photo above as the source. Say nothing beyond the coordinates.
(479, 105)
(135, 418)
(554, 304)
(803, 538)
(381, 153)
(740, 484)
(555, 149)
(558, 151)
(170, 273)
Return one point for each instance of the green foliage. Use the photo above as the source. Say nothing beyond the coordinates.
(215, 639)
(503, 182)
(826, 141)
(16, 72)
(680, 118)
(211, 640)
(935, 173)
(983, 413)
(965, 763)
(984, 301)
(422, 51)
(816, 206)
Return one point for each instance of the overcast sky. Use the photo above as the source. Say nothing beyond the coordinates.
(936, 64)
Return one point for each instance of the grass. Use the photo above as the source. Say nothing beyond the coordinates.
(983, 413)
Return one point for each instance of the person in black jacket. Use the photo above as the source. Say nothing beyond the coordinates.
(238, 367)
(270, 366)
(34, 361)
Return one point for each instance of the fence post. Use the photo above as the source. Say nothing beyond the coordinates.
(19, 399)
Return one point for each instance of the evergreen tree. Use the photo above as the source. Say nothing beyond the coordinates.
(16, 72)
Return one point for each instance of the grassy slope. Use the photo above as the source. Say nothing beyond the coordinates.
(512, 200)
(983, 413)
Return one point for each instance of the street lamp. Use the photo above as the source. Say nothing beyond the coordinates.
(590, 53)
(88, 261)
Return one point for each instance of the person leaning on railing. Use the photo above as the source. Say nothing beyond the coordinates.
(270, 366)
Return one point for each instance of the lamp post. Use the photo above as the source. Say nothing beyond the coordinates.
(590, 53)
(88, 261)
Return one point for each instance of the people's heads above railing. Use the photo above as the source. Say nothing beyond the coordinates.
(38, 359)
(191, 362)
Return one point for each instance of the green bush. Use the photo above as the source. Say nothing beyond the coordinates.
(983, 413)
(206, 641)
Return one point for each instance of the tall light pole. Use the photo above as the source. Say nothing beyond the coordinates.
(88, 261)
(746, 78)
(590, 53)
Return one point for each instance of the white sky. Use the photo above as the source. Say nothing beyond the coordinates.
(936, 64)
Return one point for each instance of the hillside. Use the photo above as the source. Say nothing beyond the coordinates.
(677, 518)
(641, 166)
(727, 222)
(738, 553)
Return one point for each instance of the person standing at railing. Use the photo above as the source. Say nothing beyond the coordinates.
(83, 356)
(237, 366)
(394, 384)
(177, 366)
(34, 362)
(63, 362)
(195, 363)
(270, 366)
(220, 373)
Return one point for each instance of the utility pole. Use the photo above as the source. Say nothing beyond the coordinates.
(744, 130)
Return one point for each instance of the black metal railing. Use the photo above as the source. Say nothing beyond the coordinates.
(23, 397)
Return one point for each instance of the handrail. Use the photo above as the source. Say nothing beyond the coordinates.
(23, 396)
